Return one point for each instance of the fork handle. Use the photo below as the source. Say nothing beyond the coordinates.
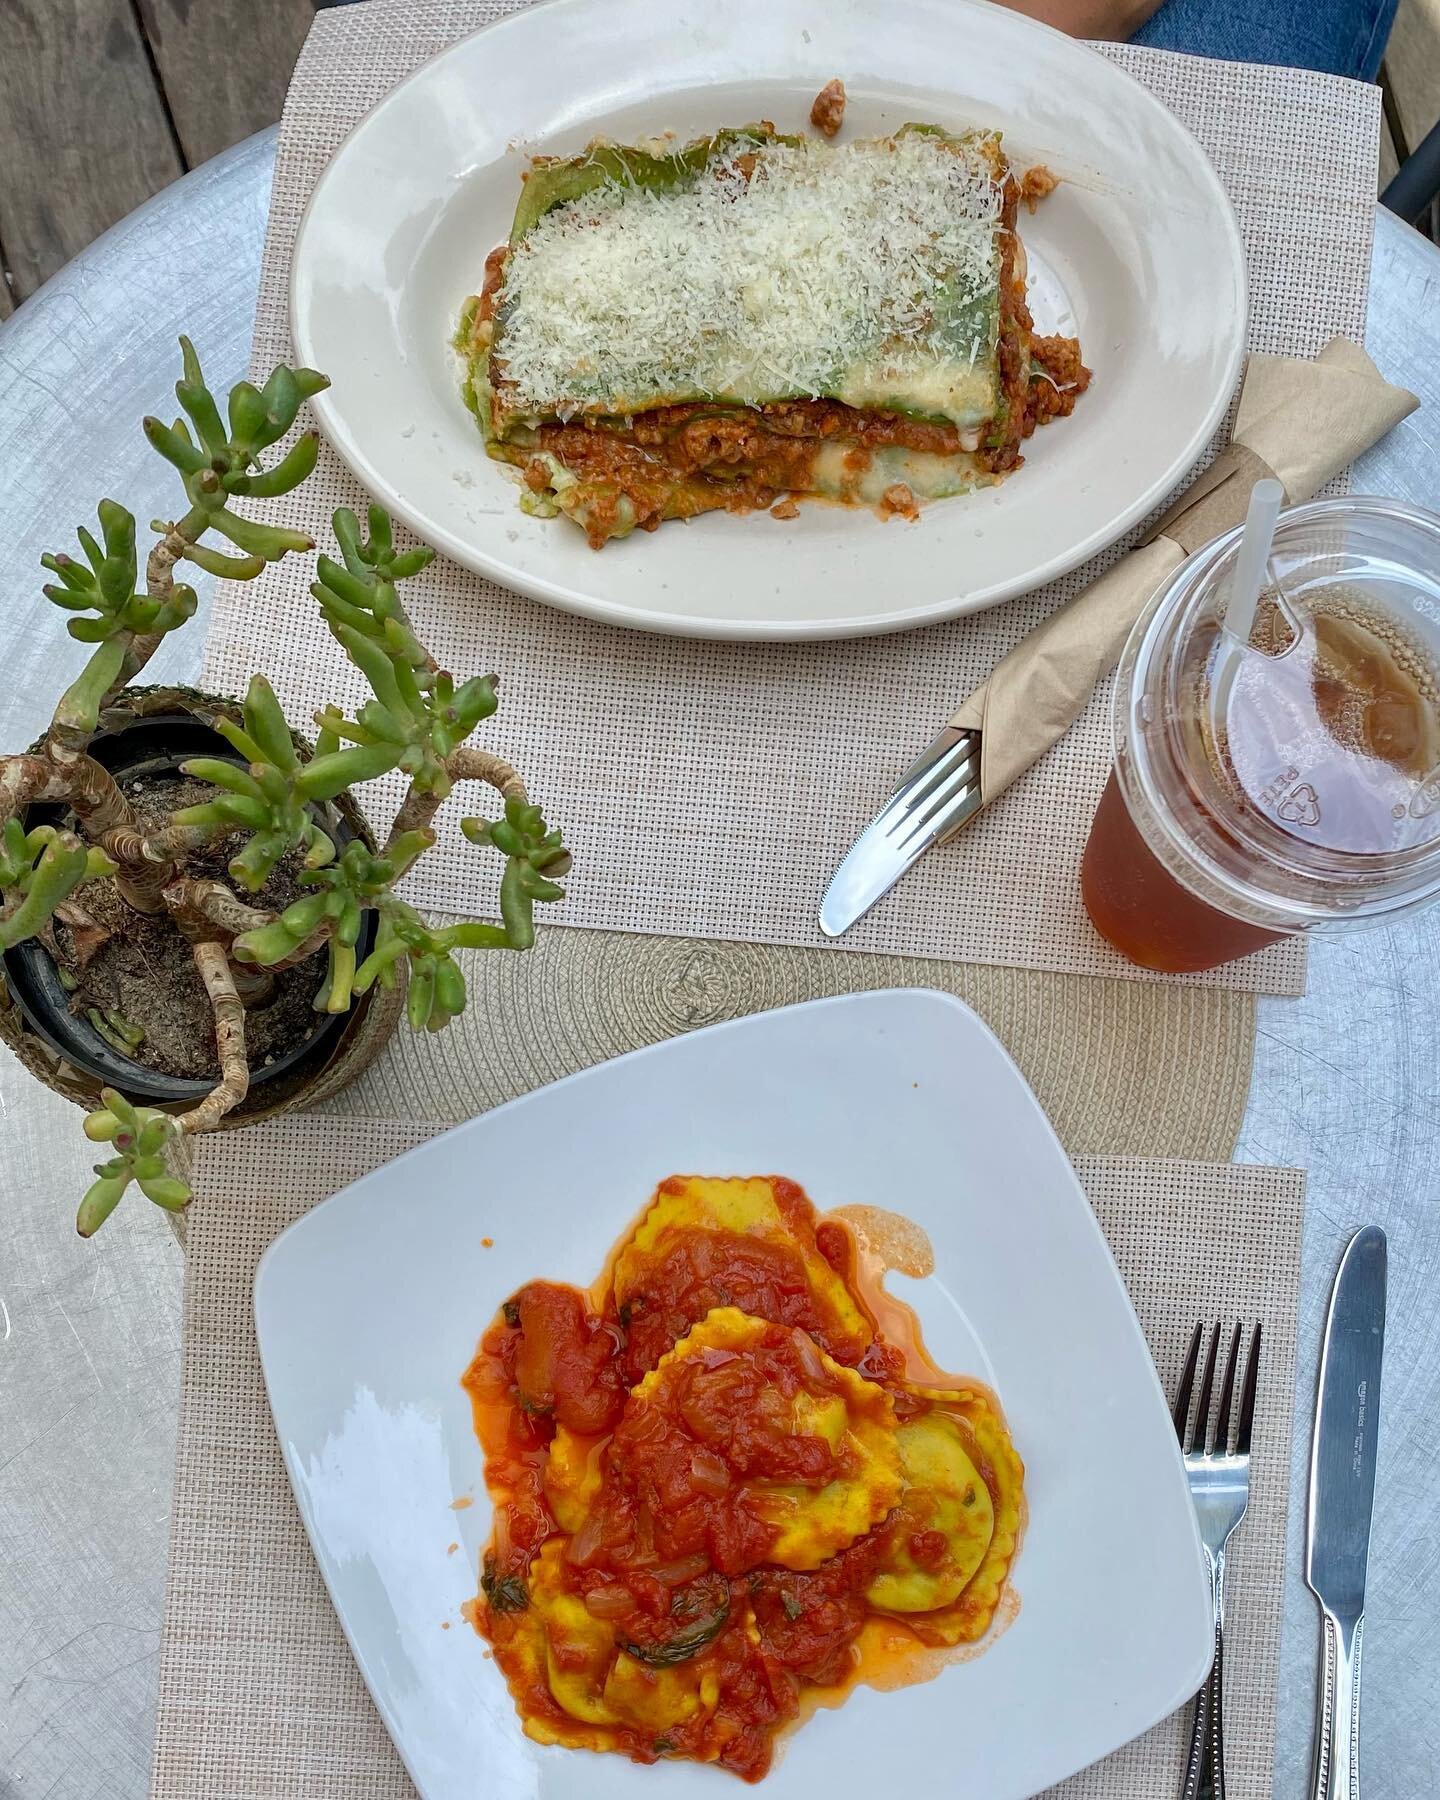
(1337, 1726)
(1212, 1762)
(1205, 1759)
(1195, 1756)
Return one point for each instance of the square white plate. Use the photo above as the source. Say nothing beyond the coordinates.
(369, 1309)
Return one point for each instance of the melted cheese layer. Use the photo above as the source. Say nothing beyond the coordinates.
(864, 272)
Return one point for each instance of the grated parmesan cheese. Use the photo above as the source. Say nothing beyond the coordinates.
(865, 272)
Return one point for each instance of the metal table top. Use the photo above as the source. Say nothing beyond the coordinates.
(1347, 1082)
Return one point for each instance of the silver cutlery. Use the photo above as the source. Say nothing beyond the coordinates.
(1342, 1496)
(1220, 1488)
(930, 802)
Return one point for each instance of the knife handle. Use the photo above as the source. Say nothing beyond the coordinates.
(1337, 1726)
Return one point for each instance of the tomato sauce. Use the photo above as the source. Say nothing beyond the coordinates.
(666, 1550)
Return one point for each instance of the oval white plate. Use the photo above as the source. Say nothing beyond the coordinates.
(1137, 251)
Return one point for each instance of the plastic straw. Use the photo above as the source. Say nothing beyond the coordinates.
(1251, 562)
(1266, 499)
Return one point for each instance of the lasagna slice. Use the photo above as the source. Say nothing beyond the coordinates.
(754, 317)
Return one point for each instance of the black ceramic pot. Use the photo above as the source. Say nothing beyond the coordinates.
(153, 743)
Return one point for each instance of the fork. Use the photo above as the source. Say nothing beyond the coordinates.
(1219, 1480)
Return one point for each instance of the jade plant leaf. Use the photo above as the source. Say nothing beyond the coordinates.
(419, 712)
(39, 869)
(271, 795)
(139, 1136)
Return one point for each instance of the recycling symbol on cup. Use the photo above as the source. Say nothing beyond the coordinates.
(1301, 806)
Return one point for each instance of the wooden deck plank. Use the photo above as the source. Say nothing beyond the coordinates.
(219, 94)
(64, 183)
(84, 135)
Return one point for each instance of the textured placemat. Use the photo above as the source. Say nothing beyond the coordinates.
(672, 765)
(259, 1695)
(1121, 1068)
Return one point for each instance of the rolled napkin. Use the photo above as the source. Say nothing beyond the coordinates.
(1300, 421)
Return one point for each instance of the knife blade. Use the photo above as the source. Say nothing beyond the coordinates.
(930, 802)
(1342, 1498)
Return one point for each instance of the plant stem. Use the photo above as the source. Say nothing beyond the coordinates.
(198, 904)
(26, 779)
(234, 1082)
(159, 585)
(148, 865)
(416, 812)
(141, 880)
(96, 798)
(470, 764)
(200, 907)
(166, 551)
(465, 764)
(90, 791)
(80, 783)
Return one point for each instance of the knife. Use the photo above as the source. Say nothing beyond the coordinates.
(1342, 1495)
(930, 802)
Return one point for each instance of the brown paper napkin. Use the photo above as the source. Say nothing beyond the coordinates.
(1300, 421)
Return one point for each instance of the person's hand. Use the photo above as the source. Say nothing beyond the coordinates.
(1115, 19)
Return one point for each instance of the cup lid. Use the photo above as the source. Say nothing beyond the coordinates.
(1305, 780)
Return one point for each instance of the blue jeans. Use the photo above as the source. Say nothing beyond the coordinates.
(1339, 37)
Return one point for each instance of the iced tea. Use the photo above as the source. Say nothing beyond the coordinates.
(1303, 791)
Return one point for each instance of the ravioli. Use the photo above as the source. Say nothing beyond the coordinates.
(572, 1478)
(816, 1459)
(600, 1689)
(986, 1447)
(717, 1488)
(709, 1241)
(944, 1524)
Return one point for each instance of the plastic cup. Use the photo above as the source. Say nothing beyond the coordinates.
(1300, 791)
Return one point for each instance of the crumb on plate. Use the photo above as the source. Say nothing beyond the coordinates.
(898, 502)
(1035, 184)
(827, 111)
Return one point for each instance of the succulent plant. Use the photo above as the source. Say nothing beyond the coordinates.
(418, 719)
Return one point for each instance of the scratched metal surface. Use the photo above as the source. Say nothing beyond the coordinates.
(1347, 1084)
(90, 1333)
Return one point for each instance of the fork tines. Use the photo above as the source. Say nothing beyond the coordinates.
(1207, 1436)
(934, 793)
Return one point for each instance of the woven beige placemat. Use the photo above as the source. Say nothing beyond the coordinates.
(677, 768)
(259, 1696)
